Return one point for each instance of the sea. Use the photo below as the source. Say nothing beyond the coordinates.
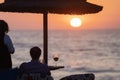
(80, 51)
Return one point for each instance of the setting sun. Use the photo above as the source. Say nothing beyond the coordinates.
(75, 22)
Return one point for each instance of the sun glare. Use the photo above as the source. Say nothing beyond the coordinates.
(75, 22)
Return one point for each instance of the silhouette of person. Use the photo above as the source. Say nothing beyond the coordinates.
(6, 47)
(35, 66)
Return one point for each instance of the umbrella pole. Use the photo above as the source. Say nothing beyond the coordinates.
(45, 37)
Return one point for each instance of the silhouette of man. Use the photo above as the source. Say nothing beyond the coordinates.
(35, 66)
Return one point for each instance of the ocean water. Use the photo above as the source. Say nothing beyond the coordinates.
(82, 51)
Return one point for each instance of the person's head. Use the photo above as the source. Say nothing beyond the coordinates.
(3, 27)
(35, 53)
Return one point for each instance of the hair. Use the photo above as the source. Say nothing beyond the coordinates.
(3, 27)
(35, 53)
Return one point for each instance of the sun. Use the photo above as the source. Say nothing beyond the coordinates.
(75, 22)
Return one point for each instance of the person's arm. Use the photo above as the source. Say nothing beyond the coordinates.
(9, 44)
(47, 69)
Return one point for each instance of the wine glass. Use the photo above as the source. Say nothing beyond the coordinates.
(55, 58)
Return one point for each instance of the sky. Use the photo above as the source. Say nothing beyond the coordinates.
(108, 18)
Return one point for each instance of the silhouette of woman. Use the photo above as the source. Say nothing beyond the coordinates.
(6, 47)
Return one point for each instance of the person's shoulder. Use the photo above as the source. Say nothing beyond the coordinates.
(45, 65)
(23, 64)
(6, 36)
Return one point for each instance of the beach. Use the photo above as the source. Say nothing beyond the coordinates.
(80, 51)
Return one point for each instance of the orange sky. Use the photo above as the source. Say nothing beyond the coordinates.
(106, 19)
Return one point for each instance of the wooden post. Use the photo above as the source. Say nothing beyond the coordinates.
(45, 37)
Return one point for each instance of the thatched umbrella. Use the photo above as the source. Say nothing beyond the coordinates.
(77, 7)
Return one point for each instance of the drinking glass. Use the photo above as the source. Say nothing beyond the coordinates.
(55, 58)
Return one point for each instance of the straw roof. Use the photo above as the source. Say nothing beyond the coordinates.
(50, 6)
